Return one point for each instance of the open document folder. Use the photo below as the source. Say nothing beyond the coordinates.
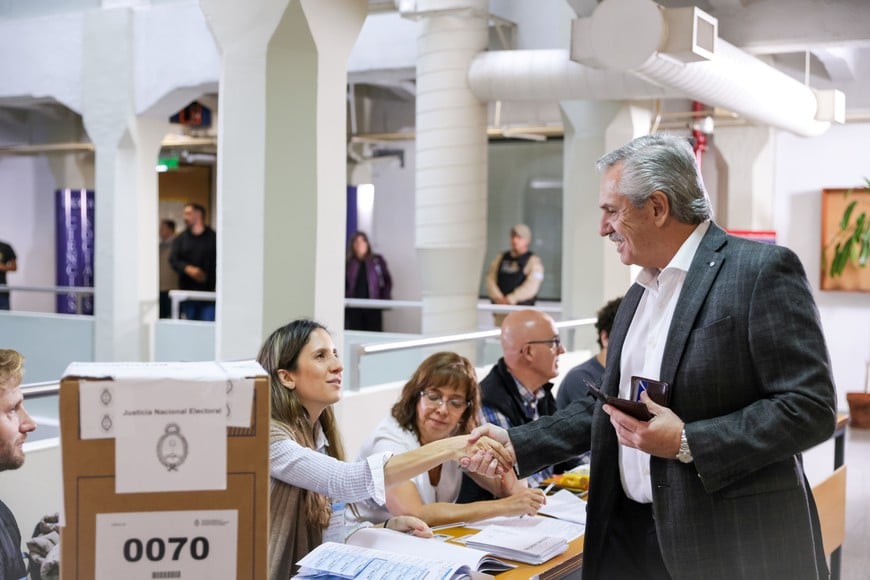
(517, 544)
(380, 553)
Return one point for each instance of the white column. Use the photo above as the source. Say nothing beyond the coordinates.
(125, 146)
(583, 260)
(630, 123)
(150, 134)
(451, 171)
(749, 155)
(281, 164)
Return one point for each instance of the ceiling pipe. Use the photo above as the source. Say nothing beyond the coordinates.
(650, 61)
(534, 75)
(680, 49)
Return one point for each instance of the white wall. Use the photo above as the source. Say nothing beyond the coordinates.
(803, 167)
(393, 234)
(27, 223)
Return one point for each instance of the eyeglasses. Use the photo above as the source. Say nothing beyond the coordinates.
(434, 400)
(555, 342)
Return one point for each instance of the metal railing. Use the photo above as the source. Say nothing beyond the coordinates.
(361, 350)
(79, 291)
(179, 296)
(399, 304)
(37, 390)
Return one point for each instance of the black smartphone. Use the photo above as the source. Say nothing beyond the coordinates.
(636, 409)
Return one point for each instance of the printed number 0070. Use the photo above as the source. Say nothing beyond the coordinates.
(155, 548)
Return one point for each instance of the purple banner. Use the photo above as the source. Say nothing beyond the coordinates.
(352, 220)
(74, 235)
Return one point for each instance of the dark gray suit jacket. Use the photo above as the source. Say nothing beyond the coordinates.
(750, 377)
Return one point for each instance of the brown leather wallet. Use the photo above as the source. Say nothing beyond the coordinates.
(636, 409)
(658, 391)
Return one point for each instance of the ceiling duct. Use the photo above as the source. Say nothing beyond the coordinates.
(680, 49)
(661, 53)
(534, 75)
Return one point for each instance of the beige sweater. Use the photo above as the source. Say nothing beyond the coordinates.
(290, 535)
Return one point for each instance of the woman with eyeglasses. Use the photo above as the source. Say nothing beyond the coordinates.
(439, 401)
(308, 475)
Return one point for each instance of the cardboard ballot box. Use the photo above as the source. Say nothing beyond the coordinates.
(165, 471)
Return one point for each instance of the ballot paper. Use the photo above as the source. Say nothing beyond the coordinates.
(565, 505)
(517, 544)
(377, 553)
(542, 526)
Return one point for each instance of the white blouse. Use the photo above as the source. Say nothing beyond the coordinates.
(390, 437)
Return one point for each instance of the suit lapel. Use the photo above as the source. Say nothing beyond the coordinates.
(703, 271)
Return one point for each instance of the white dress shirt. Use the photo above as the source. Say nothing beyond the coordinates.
(644, 348)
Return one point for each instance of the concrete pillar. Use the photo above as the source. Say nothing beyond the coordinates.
(126, 150)
(583, 260)
(451, 171)
(630, 123)
(748, 153)
(281, 164)
(150, 134)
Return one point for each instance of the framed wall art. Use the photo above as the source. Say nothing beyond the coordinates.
(846, 276)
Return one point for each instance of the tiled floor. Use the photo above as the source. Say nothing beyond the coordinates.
(819, 463)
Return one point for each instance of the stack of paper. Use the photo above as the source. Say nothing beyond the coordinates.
(564, 505)
(516, 544)
(541, 526)
(376, 551)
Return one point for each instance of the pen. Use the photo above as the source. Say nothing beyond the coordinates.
(445, 526)
(548, 488)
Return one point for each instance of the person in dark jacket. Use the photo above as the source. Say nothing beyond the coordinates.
(8, 263)
(15, 424)
(713, 485)
(366, 276)
(194, 257)
(515, 276)
(518, 389)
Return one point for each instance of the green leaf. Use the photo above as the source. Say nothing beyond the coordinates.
(835, 263)
(847, 215)
(865, 251)
(859, 228)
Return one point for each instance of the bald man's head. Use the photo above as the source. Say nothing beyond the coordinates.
(531, 346)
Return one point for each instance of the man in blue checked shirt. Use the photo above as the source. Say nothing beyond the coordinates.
(518, 389)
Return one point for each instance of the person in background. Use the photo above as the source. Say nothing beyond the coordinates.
(573, 386)
(194, 257)
(440, 400)
(309, 478)
(15, 424)
(168, 276)
(713, 485)
(366, 276)
(8, 263)
(515, 277)
(517, 389)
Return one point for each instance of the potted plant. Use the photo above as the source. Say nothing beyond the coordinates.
(851, 244)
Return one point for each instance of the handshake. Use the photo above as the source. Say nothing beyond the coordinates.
(488, 451)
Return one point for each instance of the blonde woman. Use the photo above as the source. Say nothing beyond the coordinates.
(307, 468)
